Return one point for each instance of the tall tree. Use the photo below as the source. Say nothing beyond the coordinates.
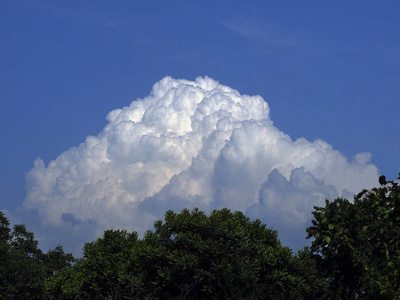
(357, 244)
(191, 256)
(99, 274)
(23, 266)
(5, 237)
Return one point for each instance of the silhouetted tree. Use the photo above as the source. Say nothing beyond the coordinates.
(191, 256)
(23, 266)
(357, 245)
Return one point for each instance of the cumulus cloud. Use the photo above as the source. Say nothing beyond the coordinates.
(188, 144)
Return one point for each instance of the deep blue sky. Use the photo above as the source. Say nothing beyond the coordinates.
(328, 69)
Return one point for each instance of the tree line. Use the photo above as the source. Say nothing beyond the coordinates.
(354, 254)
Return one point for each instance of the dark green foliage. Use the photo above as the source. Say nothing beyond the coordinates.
(56, 260)
(355, 254)
(357, 245)
(25, 270)
(191, 256)
(97, 274)
(24, 267)
(5, 237)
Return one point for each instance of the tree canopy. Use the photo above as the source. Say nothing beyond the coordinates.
(354, 254)
(190, 256)
(357, 245)
(24, 267)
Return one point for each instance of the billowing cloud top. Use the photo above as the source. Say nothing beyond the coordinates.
(189, 143)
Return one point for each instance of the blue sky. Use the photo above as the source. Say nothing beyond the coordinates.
(328, 70)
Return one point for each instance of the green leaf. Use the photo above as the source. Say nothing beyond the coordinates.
(327, 239)
(324, 220)
(331, 226)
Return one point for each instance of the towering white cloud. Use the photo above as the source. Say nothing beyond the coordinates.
(188, 144)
